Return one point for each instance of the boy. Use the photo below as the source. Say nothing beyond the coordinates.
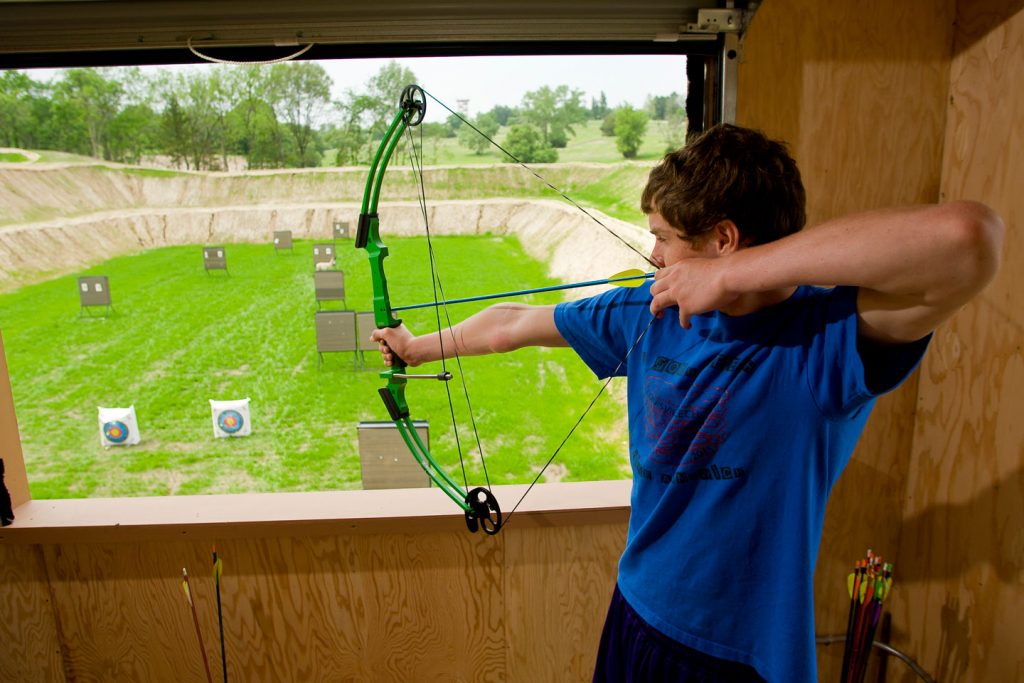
(744, 410)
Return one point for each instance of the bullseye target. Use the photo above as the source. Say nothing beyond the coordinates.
(230, 421)
(231, 418)
(116, 431)
(118, 426)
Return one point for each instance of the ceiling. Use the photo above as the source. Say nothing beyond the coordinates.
(57, 33)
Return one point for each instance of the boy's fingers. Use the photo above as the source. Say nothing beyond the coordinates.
(684, 319)
(660, 302)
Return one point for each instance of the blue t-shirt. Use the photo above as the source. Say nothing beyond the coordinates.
(738, 428)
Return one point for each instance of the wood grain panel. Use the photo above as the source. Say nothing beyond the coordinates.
(10, 440)
(558, 598)
(400, 607)
(526, 605)
(859, 102)
(30, 643)
(858, 89)
(962, 554)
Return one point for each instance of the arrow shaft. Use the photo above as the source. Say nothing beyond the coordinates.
(523, 292)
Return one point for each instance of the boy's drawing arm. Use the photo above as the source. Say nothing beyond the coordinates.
(914, 267)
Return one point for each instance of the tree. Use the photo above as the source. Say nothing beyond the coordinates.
(558, 137)
(675, 130)
(608, 124)
(487, 125)
(526, 143)
(558, 109)
(15, 108)
(453, 126)
(93, 100)
(433, 129)
(194, 121)
(375, 107)
(174, 131)
(348, 140)
(253, 128)
(661, 107)
(383, 91)
(254, 132)
(630, 126)
(133, 133)
(599, 107)
(502, 114)
(301, 95)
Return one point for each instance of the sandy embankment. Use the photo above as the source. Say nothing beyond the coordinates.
(573, 245)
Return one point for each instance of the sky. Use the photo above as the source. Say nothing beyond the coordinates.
(487, 81)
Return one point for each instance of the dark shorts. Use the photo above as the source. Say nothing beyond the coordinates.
(633, 651)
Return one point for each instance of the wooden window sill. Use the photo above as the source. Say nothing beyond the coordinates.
(101, 520)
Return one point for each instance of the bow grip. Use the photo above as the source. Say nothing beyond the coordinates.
(391, 404)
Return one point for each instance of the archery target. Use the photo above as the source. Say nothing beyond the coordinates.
(118, 427)
(231, 418)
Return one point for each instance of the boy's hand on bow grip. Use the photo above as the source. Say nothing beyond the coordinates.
(394, 343)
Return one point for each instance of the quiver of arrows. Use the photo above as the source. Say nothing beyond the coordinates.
(868, 586)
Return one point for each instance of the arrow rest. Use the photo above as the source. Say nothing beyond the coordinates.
(483, 511)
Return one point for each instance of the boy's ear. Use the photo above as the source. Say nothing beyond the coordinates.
(727, 237)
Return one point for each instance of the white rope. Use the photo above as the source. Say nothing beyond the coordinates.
(208, 58)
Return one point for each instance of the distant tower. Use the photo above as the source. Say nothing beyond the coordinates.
(463, 107)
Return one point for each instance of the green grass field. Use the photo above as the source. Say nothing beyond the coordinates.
(180, 336)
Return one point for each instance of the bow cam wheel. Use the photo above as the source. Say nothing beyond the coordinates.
(414, 103)
(483, 511)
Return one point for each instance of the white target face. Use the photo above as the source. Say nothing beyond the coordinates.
(118, 427)
(231, 418)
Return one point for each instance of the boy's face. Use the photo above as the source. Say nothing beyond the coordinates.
(670, 247)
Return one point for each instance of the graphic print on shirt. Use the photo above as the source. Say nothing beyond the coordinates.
(685, 423)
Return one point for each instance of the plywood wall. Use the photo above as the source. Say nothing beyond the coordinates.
(962, 551)
(10, 441)
(526, 605)
(893, 103)
(858, 90)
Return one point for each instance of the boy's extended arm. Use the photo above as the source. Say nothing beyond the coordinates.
(497, 329)
(914, 267)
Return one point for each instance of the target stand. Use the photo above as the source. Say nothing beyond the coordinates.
(341, 230)
(324, 256)
(336, 333)
(283, 240)
(386, 461)
(329, 285)
(215, 258)
(93, 293)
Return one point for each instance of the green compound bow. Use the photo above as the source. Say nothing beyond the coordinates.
(479, 504)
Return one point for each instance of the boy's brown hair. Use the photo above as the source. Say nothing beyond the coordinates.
(728, 172)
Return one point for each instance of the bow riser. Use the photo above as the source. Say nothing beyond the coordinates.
(377, 252)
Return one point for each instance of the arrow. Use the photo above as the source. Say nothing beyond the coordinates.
(195, 620)
(218, 570)
(627, 278)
